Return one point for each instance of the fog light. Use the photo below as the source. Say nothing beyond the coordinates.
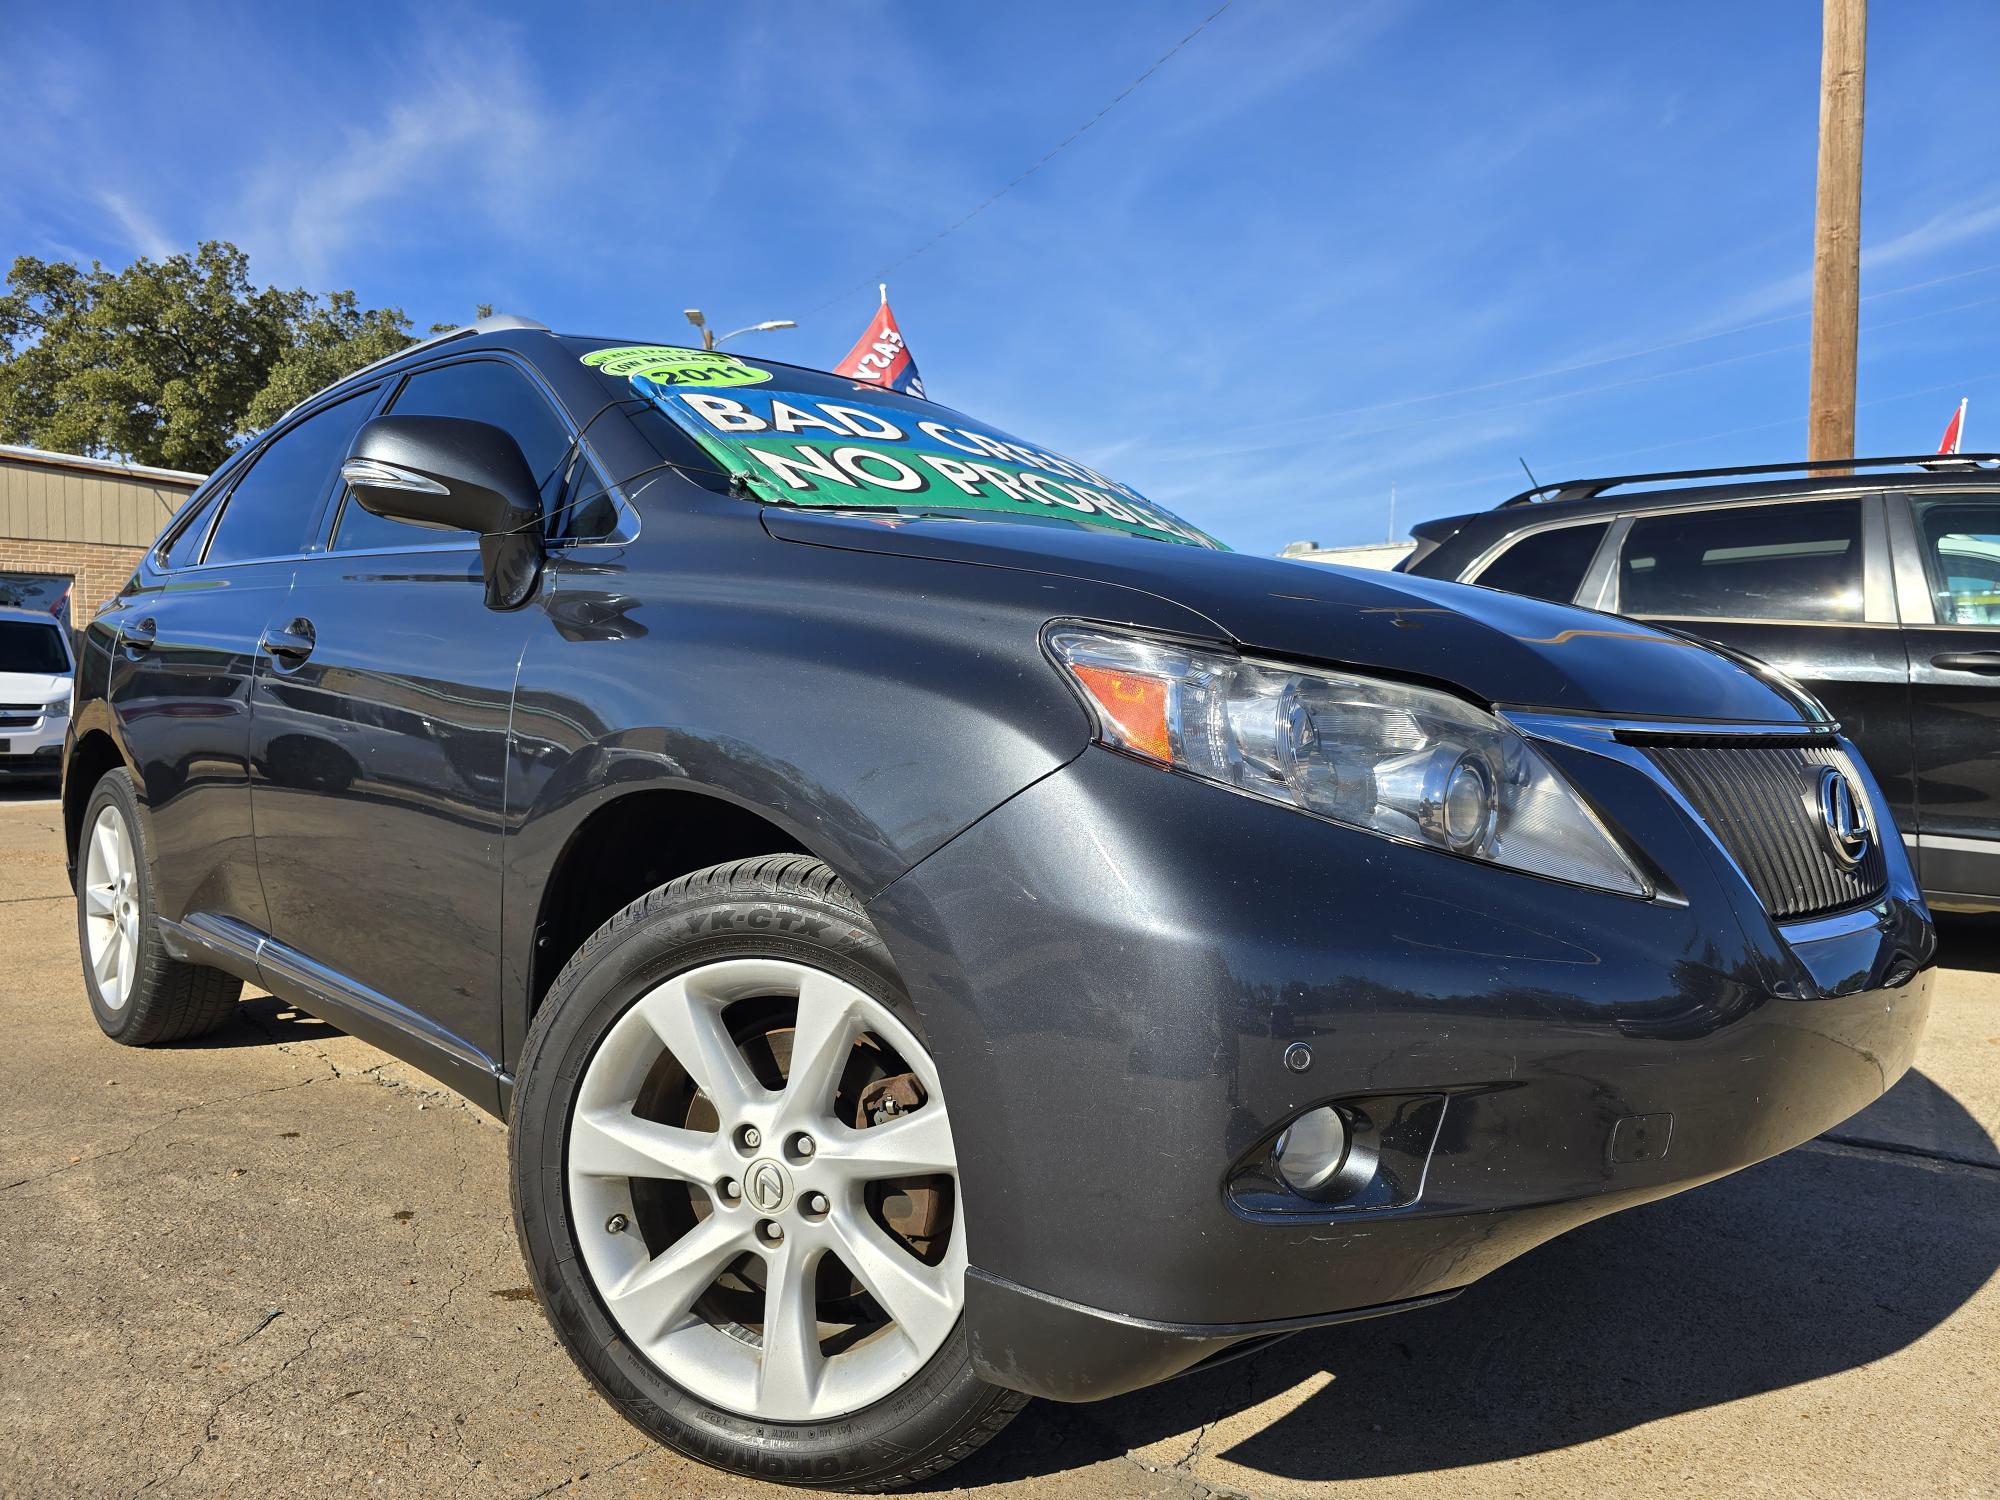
(1311, 1151)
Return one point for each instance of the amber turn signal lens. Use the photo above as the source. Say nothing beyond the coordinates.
(1133, 705)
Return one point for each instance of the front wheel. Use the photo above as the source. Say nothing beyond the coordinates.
(737, 1190)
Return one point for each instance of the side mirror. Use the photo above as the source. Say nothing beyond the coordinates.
(456, 475)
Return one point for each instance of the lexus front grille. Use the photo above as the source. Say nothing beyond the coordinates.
(1762, 802)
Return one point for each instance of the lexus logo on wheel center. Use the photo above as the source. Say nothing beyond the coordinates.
(765, 1186)
(1844, 813)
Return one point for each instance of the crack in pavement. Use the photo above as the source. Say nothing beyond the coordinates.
(578, 1478)
(208, 1434)
(163, 1123)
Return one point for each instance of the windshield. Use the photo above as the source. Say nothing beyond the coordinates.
(799, 437)
(27, 646)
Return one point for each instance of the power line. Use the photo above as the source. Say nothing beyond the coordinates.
(1047, 157)
(1579, 366)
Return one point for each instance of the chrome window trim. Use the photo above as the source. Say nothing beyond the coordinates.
(470, 547)
(1696, 620)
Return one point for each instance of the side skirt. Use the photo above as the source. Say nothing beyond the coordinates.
(239, 949)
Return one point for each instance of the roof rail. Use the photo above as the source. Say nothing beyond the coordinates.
(1588, 489)
(498, 323)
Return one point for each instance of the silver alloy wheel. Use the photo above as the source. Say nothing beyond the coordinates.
(110, 898)
(799, 1177)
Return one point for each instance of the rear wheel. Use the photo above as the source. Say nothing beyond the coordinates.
(737, 1189)
(139, 993)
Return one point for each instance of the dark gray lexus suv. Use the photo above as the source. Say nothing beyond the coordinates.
(940, 928)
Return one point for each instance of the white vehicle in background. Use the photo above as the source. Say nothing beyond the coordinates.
(37, 678)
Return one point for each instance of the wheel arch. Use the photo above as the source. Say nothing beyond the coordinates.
(626, 846)
(94, 756)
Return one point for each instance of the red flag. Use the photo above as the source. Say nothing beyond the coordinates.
(881, 357)
(1954, 430)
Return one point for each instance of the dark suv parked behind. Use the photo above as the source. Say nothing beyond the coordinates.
(940, 928)
(1879, 592)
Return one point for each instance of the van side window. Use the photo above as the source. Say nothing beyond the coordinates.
(1545, 564)
(482, 390)
(269, 510)
(1798, 561)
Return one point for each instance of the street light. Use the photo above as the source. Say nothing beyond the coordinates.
(709, 340)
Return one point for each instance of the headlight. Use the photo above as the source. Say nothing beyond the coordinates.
(57, 708)
(1405, 762)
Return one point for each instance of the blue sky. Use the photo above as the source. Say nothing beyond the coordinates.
(1326, 248)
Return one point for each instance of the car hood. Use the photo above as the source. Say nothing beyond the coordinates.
(1501, 648)
(32, 687)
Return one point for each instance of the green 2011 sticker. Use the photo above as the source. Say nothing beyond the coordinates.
(665, 365)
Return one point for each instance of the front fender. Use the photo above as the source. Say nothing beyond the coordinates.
(871, 707)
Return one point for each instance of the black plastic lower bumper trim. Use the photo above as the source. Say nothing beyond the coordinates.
(1046, 1346)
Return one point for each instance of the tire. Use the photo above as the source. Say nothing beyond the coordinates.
(140, 994)
(713, 960)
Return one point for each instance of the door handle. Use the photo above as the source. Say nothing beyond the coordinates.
(138, 639)
(1968, 661)
(288, 645)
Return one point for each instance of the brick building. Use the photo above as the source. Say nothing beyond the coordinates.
(72, 529)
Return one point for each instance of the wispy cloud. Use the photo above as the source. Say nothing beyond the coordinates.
(463, 123)
(137, 227)
(1792, 291)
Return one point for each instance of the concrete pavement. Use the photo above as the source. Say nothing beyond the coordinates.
(276, 1263)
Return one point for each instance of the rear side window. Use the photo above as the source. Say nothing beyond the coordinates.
(183, 543)
(1545, 564)
(1753, 562)
(269, 510)
(1962, 551)
(483, 390)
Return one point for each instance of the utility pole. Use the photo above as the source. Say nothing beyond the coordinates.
(1836, 309)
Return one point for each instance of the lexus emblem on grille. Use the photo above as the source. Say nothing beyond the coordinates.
(1844, 812)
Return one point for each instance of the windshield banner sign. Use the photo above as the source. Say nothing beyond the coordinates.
(807, 450)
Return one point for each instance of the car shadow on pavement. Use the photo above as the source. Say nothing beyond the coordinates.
(264, 1021)
(1821, 1260)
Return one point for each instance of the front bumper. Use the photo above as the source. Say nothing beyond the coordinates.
(1111, 967)
(32, 747)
